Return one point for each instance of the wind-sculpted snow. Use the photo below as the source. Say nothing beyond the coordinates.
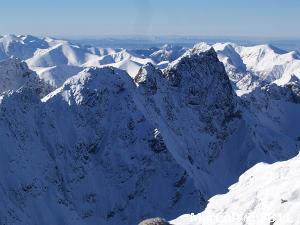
(265, 194)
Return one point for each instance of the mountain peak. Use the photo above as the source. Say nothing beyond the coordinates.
(14, 73)
(95, 77)
(203, 67)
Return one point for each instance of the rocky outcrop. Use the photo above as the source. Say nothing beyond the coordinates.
(15, 74)
(154, 221)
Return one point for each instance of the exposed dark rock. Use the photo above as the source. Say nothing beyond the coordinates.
(154, 221)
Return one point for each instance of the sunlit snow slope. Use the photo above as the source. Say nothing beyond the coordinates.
(265, 194)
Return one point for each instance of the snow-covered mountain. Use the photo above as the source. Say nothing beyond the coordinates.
(57, 60)
(85, 154)
(15, 74)
(133, 134)
(211, 132)
(22, 46)
(251, 66)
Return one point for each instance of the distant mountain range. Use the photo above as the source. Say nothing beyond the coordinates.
(133, 42)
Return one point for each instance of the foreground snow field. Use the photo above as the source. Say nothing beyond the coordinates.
(114, 136)
(263, 194)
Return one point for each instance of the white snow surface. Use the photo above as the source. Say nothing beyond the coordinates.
(263, 194)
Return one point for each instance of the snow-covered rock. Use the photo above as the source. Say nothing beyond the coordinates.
(154, 221)
(85, 154)
(259, 197)
(211, 132)
(15, 74)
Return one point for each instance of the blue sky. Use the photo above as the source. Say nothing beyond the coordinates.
(256, 18)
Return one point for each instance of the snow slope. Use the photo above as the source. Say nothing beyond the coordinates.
(256, 65)
(263, 194)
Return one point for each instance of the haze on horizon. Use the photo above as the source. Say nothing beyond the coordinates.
(254, 18)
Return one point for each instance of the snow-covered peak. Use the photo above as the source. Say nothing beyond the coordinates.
(147, 76)
(192, 97)
(270, 63)
(201, 47)
(14, 74)
(167, 53)
(252, 66)
(94, 78)
(201, 71)
(21, 46)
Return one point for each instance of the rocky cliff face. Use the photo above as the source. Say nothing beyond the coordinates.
(210, 131)
(85, 154)
(15, 74)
